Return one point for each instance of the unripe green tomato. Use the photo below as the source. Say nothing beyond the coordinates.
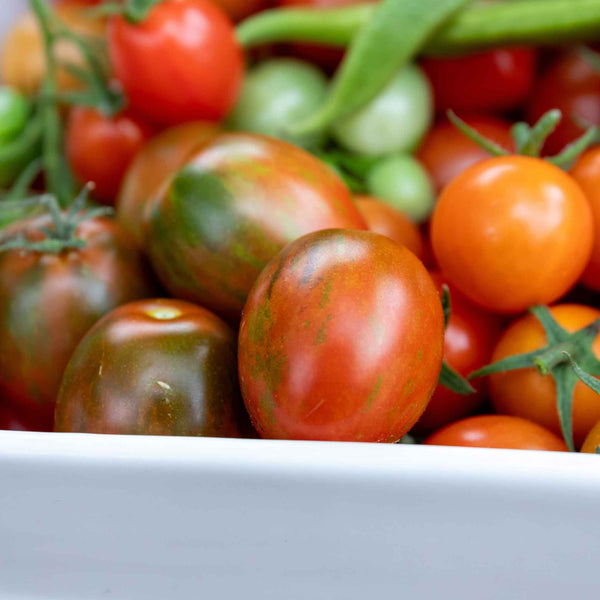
(394, 121)
(276, 94)
(14, 112)
(401, 181)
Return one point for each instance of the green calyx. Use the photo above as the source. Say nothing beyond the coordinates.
(567, 357)
(135, 11)
(529, 140)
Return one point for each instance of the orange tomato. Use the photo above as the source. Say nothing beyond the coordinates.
(511, 232)
(592, 441)
(525, 393)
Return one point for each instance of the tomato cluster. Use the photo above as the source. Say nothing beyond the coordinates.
(358, 281)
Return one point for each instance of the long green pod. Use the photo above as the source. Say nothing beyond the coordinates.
(393, 35)
(534, 22)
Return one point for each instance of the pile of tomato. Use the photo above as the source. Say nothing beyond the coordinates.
(179, 257)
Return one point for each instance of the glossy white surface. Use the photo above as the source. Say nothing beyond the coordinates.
(92, 517)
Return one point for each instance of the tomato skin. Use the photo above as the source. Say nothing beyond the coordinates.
(512, 232)
(446, 151)
(13, 420)
(154, 367)
(592, 441)
(164, 154)
(525, 393)
(469, 341)
(494, 80)
(497, 431)
(240, 9)
(383, 219)
(341, 339)
(231, 209)
(182, 63)
(586, 172)
(573, 86)
(49, 301)
(100, 148)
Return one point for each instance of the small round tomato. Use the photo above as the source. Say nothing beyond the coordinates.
(100, 148)
(341, 339)
(236, 203)
(592, 441)
(497, 431)
(48, 301)
(181, 63)
(155, 162)
(587, 174)
(511, 232)
(573, 86)
(469, 341)
(383, 219)
(394, 121)
(446, 151)
(525, 393)
(15, 110)
(494, 80)
(154, 367)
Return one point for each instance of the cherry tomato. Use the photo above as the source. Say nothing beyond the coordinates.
(447, 152)
(573, 86)
(341, 339)
(511, 232)
(155, 162)
(231, 209)
(525, 393)
(382, 218)
(13, 420)
(181, 63)
(100, 148)
(497, 431)
(469, 341)
(240, 9)
(494, 80)
(49, 300)
(587, 174)
(155, 367)
(592, 441)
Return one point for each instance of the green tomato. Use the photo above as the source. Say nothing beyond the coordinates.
(278, 93)
(402, 182)
(394, 121)
(14, 113)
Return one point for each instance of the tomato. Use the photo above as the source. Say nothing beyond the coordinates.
(240, 9)
(497, 431)
(23, 62)
(382, 218)
(495, 80)
(525, 393)
(592, 441)
(341, 339)
(447, 152)
(573, 86)
(231, 209)
(155, 367)
(15, 111)
(402, 182)
(100, 148)
(13, 420)
(511, 232)
(278, 93)
(181, 63)
(587, 174)
(49, 300)
(471, 335)
(394, 121)
(155, 162)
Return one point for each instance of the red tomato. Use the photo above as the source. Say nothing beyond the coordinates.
(386, 220)
(341, 339)
(494, 80)
(573, 86)
(100, 148)
(181, 63)
(525, 393)
(446, 151)
(469, 341)
(240, 9)
(497, 431)
(587, 173)
(13, 420)
(511, 232)
(592, 441)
